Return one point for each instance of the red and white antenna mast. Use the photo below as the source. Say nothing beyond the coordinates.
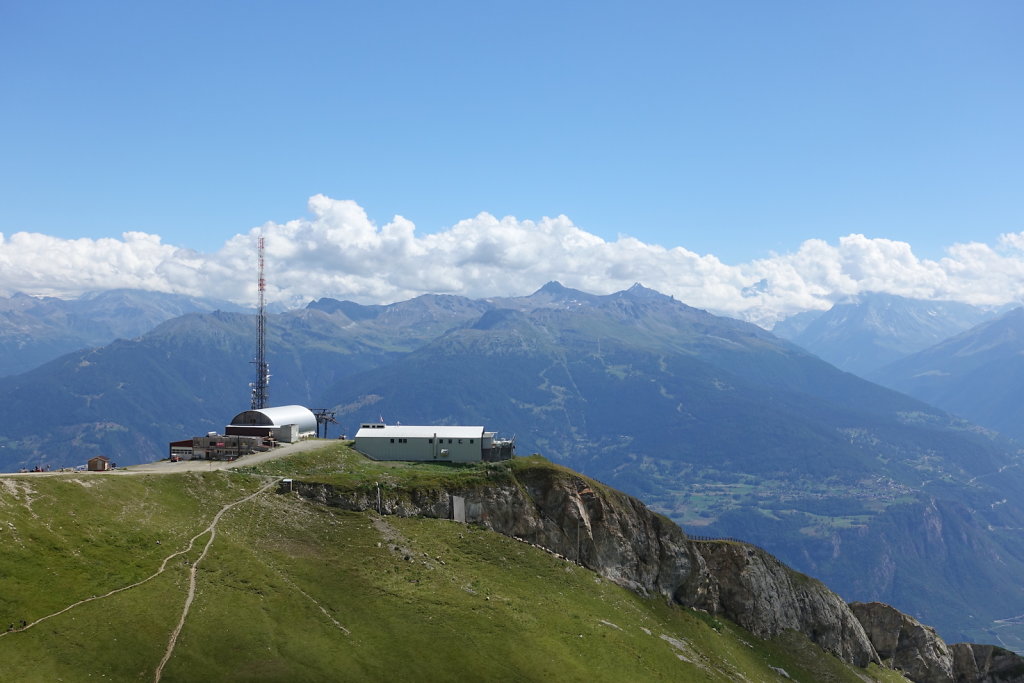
(260, 388)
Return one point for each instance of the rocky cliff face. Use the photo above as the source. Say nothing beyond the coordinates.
(922, 656)
(905, 644)
(974, 663)
(601, 529)
(753, 589)
(616, 536)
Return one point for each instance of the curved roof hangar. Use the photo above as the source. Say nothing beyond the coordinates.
(277, 417)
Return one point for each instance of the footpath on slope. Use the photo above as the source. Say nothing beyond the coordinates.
(190, 596)
(211, 529)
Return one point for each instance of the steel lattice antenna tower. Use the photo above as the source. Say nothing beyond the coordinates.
(260, 388)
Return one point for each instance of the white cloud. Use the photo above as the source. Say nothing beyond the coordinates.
(40, 264)
(339, 252)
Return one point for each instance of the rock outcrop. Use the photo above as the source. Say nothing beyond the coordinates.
(602, 529)
(974, 663)
(752, 588)
(616, 536)
(917, 651)
(905, 644)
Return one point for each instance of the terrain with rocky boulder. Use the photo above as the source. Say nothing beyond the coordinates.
(616, 536)
(920, 654)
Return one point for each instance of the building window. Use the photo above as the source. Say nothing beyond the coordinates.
(471, 440)
(392, 440)
(430, 441)
(460, 440)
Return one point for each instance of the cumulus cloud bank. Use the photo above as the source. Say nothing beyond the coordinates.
(339, 252)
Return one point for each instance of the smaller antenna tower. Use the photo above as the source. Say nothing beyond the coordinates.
(260, 388)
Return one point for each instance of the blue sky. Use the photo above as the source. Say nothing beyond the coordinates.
(730, 128)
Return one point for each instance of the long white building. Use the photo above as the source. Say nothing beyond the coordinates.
(440, 442)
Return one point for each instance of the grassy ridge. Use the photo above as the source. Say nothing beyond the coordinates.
(293, 591)
(339, 465)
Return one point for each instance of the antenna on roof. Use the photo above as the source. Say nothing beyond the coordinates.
(260, 388)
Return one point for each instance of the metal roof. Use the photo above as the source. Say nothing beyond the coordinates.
(277, 417)
(421, 432)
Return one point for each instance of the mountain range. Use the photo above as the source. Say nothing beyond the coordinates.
(865, 333)
(34, 330)
(978, 374)
(716, 423)
(729, 430)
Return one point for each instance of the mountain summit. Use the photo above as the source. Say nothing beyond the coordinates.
(874, 329)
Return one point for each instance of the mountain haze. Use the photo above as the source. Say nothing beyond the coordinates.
(978, 374)
(34, 330)
(862, 335)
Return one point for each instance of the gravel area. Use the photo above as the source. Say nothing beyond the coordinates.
(166, 466)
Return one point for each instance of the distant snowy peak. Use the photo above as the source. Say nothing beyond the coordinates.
(875, 329)
(977, 374)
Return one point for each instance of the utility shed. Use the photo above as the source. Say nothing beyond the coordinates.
(406, 442)
(283, 423)
(100, 463)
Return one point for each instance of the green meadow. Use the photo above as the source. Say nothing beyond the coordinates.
(294, 591)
